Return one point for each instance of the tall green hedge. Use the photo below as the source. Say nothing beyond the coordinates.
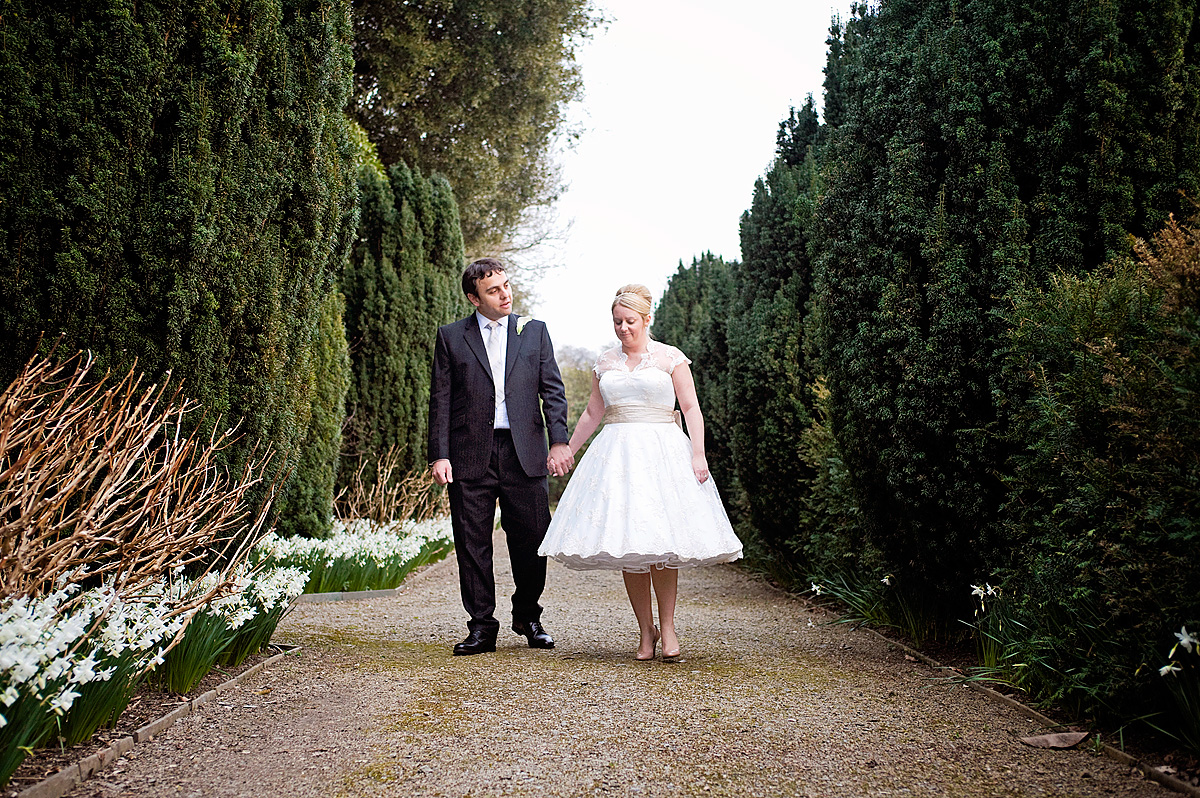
(693, 315)
(401, 282)
(176, 187)
(769, 398)
(983, 145)
(1103, 513)
(306, 506)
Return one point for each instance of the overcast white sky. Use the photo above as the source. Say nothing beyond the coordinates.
(682, 102)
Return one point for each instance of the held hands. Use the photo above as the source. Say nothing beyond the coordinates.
(560, 461)
(700, 467)
(442, 473)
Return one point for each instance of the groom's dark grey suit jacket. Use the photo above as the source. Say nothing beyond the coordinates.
(462, 399)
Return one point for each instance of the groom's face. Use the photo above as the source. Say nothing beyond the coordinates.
(492, 297)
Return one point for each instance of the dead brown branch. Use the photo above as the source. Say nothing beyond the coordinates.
(390, 496)
(99, 479)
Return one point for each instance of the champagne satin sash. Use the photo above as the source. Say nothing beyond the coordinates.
(633, 412)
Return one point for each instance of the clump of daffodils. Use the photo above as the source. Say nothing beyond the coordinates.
(361, 554)
(52, 646)
(983, 594)
(1189, 643)
(362, 541)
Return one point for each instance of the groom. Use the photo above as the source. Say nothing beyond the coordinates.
(487, 441)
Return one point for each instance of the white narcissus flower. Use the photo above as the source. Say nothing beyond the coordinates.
(1186, 639)
(816, 588)
(3, 721)
(887, 580)
(1165, 669)
(62, 702)
(976, 590)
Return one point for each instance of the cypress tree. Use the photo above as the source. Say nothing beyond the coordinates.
(401, 282)
(176, 188)
(984, 144)
(306, 506)
(693, 315)
(769, 400)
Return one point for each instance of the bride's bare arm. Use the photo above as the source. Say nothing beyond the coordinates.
(591, 418)
(685, 391)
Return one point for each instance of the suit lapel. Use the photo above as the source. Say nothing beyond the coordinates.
(475, 342)
(514, 345)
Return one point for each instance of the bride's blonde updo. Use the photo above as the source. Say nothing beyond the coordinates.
(636, 297)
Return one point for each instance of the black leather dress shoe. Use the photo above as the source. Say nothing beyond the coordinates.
(477, 642)
(534, 631)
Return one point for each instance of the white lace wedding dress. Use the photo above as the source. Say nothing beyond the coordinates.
(633, 502)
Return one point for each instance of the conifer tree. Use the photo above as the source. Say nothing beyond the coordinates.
(401, 282)
(983, 146)
(693, 315)
(769, 399)
(306, 506)
(176, 189)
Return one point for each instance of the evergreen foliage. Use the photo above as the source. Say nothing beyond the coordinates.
(1103, 517)
(769, 399)
(474, 91)
(693, 314)
(176, 188)
(983, 145)
(306, 507)
(401, 283)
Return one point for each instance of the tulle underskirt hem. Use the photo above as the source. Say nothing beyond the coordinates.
(639, 563)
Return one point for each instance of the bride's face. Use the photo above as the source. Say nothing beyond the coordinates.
(629, 326)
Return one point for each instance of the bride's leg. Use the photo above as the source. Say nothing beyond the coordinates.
(638, 588)
(666, 587)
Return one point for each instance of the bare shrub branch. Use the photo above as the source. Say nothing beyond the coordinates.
(390, 496)
(98, 479)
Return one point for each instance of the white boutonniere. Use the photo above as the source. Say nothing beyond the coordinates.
(522, 321)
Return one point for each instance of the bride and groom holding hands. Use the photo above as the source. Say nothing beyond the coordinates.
(641, 501)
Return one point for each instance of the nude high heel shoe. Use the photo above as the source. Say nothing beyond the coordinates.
(672, 656)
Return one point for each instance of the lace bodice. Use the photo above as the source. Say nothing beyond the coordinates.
(644, 379)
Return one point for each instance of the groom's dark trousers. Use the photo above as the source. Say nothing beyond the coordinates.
(496, 464)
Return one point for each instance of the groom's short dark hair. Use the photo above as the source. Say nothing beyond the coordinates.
(484, 267)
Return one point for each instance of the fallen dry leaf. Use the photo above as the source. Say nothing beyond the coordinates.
(1059, 740)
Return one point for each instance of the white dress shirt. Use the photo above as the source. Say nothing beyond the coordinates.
(501, 420)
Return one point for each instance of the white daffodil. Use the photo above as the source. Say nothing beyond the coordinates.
(1186, 639)
(3, 721)
(62, 702)
(816, 589)
(976, 590)
(887, 580)
(1172, 668)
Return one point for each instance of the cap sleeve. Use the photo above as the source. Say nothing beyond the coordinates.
(673, 357)
(606, 362)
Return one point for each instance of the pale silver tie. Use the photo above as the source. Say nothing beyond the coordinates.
(495, 357)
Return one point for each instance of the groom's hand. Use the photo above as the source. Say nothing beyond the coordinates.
(560, 460)
(442, 473)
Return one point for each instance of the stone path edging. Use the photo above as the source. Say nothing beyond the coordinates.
(74, 774)
(1152, 773)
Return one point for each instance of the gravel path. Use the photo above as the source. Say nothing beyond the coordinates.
(767, 702)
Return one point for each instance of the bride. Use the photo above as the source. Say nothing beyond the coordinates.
(641, 500)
